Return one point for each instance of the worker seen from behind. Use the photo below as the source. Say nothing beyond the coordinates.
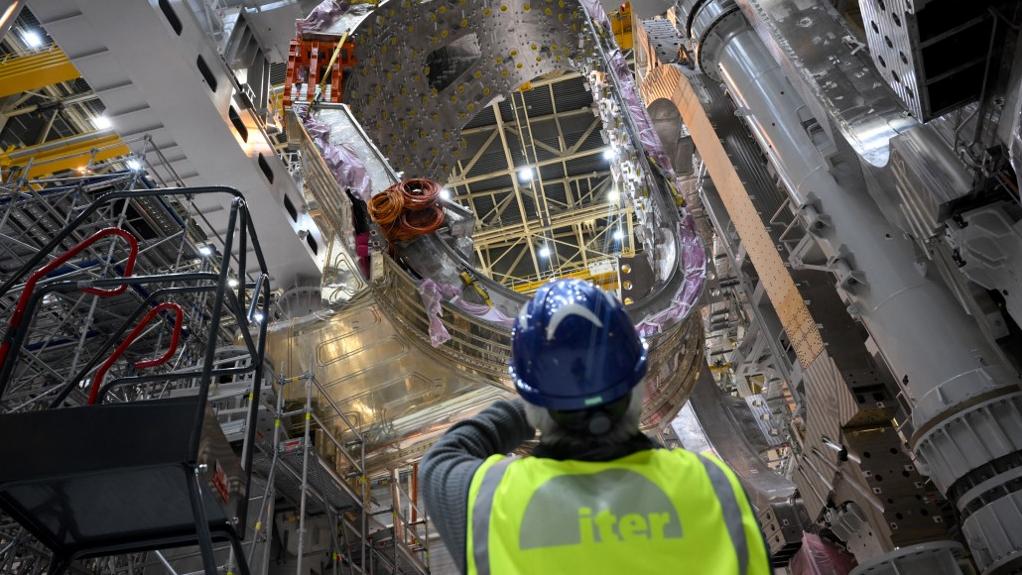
(596, 495)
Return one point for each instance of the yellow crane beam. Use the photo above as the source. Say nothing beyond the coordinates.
(605, 280)
(33, 71)
(70, 153)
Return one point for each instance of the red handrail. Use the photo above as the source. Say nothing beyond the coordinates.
(179, 316)
(19, 309)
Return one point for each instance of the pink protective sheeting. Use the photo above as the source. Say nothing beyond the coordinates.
(693, 265)
(693, 254)
(637, 110)
(483, 311)
(597, 13)
(433, 295)
(629, 93)
(322, 16)
(346, 167)
(819, 557)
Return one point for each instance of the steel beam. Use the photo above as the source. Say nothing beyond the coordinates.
(66, 153)
(33, 71)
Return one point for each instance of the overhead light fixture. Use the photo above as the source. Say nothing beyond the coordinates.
(445, 193)
(233, 283)
(613, 197)
(258, 317)
(544, 251)
(133, 164)
(619, 235)
(525, 174)
(101, 122)
(206, 250)
(609, 154)
(32, 38)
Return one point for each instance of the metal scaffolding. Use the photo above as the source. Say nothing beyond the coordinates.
(312, 457)
(70, 295)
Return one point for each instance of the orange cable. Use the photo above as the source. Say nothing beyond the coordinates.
(408, 209)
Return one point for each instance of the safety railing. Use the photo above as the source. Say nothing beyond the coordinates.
(243, 301)
(322, 448)
(411, 523)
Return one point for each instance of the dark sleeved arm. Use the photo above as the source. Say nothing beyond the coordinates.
(445, 473)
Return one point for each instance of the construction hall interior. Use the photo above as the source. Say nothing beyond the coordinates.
(258, 256)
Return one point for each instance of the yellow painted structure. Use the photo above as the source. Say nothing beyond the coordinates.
(71, 153)
(621, 25)
(607, 281)
(22, 73)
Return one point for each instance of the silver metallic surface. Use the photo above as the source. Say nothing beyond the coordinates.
(889, 26)
(929, 178)
(418, 125)
(158, 90)
(832, 72)
(884, 256)
(723, 431)
(988, 241)
(1015, 144)
(471, 63)
(711, 27)
(952, 379)
(934, 558)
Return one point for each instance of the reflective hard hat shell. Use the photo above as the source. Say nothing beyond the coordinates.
(574, 347)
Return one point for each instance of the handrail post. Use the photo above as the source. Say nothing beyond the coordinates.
(305, 470)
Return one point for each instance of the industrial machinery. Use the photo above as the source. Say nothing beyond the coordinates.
(810, 209)
(849, 203)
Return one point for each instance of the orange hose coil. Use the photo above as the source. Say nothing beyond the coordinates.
(408, 209)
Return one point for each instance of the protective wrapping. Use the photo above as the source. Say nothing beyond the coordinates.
(819, 557)
(322, 16)
(637, 110)
(597, 13)
(618, 66)
(433, 294)
(693, 265)
(346, 167)
(483, 311)
(693, 254)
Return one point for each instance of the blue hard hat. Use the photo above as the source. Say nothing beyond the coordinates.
(574, 347)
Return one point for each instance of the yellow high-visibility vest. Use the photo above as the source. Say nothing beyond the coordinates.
(654, 511)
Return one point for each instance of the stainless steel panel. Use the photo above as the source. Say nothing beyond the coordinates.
(375, 359)
(832, 72)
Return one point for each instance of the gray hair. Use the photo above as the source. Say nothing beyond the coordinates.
(552, 433)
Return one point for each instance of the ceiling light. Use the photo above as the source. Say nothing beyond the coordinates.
(525, 174)
(133, 164)
(101, 122)
(609, 154)
(619, 235)
(445, 193)
(206, 250)
(613, 197)
(32, 38)
(544, 252)
(232, 283)
(258, 317)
